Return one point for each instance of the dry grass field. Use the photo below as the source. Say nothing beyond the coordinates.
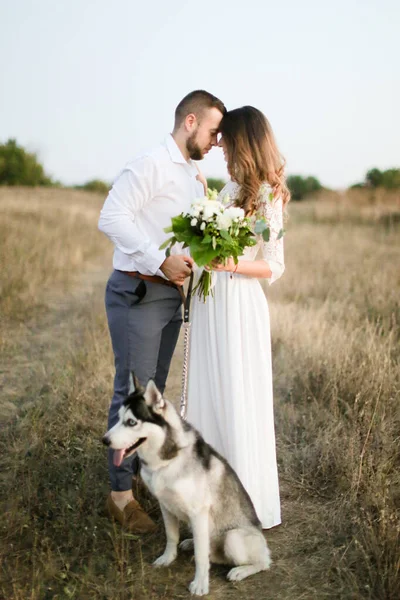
(336, 319)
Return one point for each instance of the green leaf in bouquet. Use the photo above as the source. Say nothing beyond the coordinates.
(180, 224)
(196, 244)
(266, 234)
(206, 239)
(168, 252)
(281, 234)
(169, 242)
(203, 257)
(168, 229)
(185, 237)
(225, 235)
(260, 226)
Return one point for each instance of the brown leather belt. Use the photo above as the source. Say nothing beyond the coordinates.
(153, 278)
(157, 279)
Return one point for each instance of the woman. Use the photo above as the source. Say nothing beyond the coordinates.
(230, 375)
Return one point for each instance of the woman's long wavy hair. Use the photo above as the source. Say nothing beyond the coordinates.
(253, 156)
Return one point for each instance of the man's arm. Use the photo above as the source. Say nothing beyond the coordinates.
(131, 191)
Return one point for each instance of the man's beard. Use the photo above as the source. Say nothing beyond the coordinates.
(193, 148)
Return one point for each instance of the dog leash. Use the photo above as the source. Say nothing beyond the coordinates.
(186, 326)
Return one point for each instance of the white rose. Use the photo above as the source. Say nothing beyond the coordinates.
(198, 205)
(193, 222)
(235, 212)
(224, 221)
(211, 208)
(208, 213)
(203, 226)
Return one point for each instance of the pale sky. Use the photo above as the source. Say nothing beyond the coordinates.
(89, 84)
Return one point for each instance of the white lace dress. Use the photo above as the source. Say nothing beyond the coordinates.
(230, 397)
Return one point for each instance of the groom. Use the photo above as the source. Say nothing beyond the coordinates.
(143, 302)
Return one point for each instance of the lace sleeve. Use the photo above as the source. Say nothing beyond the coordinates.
(272, 251)
(228, 192)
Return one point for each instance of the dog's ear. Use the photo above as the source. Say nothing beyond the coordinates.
(153, 397)
(133, 383)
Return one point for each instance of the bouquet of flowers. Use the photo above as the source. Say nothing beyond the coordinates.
(212, 231)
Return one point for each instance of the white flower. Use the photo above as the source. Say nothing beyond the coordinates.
(193, 222)
(203, 226)
(224, 221)
(198, 204)
(235, 212)
(216, 205)
(194, 211)
(211, 209)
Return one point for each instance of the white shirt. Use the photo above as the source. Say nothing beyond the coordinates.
(149, 191)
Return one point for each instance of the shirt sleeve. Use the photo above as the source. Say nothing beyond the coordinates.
(133, 188)
(272, 251)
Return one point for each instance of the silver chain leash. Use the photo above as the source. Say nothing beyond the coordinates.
(186, 347)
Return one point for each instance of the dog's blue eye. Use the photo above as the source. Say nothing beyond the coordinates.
(131, 422)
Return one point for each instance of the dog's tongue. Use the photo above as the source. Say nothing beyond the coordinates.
(118, 457)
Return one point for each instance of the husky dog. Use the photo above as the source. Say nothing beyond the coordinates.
(192, 483)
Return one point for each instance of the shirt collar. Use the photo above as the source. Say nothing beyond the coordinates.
(174, 152)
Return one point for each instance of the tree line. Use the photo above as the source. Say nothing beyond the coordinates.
(20, 167)
(389, 179)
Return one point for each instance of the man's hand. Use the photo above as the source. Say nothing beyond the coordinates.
(177, 268)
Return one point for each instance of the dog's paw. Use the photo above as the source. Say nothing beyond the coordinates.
(239, 573)
(187, 545)
(164, 560)
(199, 587)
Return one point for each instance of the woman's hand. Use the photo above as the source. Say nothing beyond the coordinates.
(227, 265)
(200, 177)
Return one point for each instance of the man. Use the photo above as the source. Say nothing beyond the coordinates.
(143, 302)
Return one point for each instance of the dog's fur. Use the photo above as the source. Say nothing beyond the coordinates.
(192, 483)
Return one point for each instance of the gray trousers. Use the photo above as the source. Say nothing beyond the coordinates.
(144, 319)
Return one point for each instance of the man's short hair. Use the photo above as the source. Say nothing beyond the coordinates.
(196, 103)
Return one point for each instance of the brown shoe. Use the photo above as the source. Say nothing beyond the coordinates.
(133, 517)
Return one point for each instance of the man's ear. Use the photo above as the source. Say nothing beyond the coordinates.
(153, 397)
(190, 122)
(134, 384)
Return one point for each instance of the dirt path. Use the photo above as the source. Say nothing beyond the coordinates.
(35, 346)
(39, 346)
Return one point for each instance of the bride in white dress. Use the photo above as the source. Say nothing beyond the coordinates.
(230, 398)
